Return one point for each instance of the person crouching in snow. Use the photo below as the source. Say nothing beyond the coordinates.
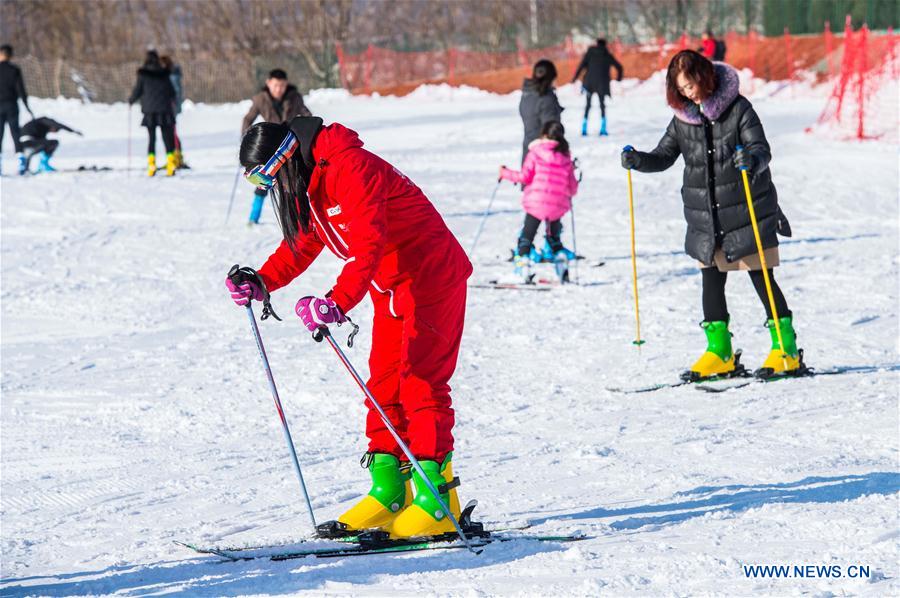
(711, 120)
(330, 192)
(548, 174)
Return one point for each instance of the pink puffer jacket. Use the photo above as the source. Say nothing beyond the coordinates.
(549, 179)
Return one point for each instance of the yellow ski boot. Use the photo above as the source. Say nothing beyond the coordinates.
(387, 498)
(719, 359)
(425, 517)
(179, 161)
(787, 362)
(171, 164)
(151, 164)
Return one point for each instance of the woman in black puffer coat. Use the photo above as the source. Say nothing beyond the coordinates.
(539, 104)
(711, 120)
(157, 95)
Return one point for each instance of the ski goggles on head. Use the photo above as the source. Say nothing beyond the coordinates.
(263, 176)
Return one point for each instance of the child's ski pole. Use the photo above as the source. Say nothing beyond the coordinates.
(284, 424)
(762, 259)
(487, 211)
(637, 311)
(323, 332)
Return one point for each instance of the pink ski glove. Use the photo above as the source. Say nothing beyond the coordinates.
(242, 293)
(315, 312)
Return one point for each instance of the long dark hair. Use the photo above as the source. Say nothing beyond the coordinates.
(543, 74)
(554, 130)
(289, 197)
(697, 69)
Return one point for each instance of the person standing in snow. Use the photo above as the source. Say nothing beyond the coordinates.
(175, 77)
(595, 65)
(539, 104)
(154, 89)
(548, 174)
(712, 48)
(277, 102)
(12, 89)
(34, 138)
(330, 192)
(711, 119)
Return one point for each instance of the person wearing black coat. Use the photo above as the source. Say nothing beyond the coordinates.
(711, 120)
(539, 104)
(34, 138)
(12, 89)
(154, 89)
(595, 65)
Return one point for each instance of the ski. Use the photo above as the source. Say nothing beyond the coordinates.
(740, 372)
(807, 373)
(385, 547)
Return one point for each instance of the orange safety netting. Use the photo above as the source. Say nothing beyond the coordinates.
(393, 72)
(860, 103)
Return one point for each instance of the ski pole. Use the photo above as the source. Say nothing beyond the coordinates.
(237, 177)
(129, 140)
(637, 311)
(323, 332)
(484, 218)
(284, 424)
(574, 242)
(762, 259)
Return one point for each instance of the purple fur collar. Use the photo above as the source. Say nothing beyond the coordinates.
(727, 89)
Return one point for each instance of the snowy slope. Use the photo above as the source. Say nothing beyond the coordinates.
(135, 412)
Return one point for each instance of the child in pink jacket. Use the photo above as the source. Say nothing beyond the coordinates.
(548, 174)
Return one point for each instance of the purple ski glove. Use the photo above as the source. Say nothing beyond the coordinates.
(316, 312)
(244, 288)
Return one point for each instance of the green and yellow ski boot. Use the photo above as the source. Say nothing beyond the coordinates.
(719, 360)
(386, 499)
(425, 517)
(782, 362)
(151, 164)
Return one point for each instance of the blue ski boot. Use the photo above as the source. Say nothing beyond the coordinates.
(44, 165)
(584, 128)
(550, 255)
(603, 132)
(23, 163)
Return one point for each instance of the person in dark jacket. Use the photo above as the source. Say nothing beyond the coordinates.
(12, 89)
(277, 102)
(34, 139)
(175, 77)
(539, 104)
(711, 120)
(154, 90)
(595, 65)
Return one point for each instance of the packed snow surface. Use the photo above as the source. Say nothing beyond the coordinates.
(135, 411)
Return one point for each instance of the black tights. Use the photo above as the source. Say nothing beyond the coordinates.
(716, 309)
(587, 107)
(168, 135)
(553, 230)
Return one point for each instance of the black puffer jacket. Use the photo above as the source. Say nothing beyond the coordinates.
(536, 110)
(715, 206)
(154, 90)
(596, 63)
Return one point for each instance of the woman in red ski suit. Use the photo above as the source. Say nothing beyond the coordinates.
(397, 248)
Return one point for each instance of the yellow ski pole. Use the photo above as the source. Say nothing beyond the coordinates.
(637, 311)
(762, 260)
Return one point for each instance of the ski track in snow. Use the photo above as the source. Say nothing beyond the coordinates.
(135, 411)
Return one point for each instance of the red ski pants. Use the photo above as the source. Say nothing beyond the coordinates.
(413, 357)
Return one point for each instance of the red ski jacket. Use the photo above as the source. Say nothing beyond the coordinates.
(373, 217)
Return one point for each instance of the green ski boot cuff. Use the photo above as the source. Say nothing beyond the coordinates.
(718, 339)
